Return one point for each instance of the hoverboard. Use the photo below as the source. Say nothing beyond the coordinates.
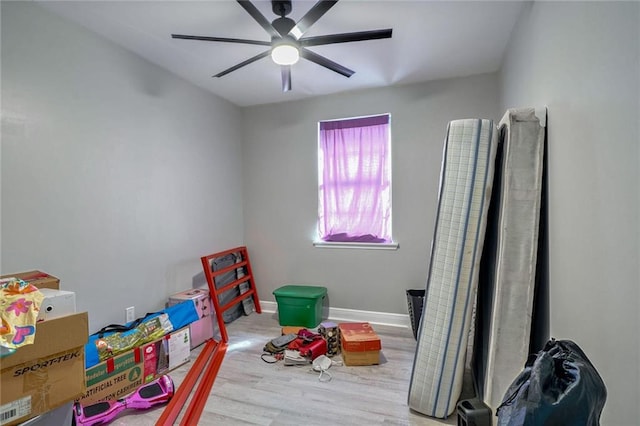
(157, 392)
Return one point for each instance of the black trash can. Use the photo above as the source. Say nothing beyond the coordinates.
(415, 300)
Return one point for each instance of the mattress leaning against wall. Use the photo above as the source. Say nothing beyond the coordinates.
(465, 190)
(522, 135)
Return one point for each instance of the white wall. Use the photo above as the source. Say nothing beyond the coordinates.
(581, 59)
(280, 189)
(116, 175)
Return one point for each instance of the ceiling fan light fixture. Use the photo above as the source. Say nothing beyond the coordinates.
(287, 42)
(285, 54)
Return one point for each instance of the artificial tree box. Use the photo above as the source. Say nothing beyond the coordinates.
(124, 373)
(120, 375)
(359, 343)
(46, 374)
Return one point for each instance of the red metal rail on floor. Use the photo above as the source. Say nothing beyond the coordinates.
(209, 362)
(201, 395)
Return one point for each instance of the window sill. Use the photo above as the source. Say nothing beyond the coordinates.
(361, 246)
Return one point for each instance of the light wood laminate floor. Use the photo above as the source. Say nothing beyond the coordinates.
(248, 391)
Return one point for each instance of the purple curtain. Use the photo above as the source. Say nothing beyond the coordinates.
(355, 180)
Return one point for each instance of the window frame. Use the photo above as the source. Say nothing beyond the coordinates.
(386, 245)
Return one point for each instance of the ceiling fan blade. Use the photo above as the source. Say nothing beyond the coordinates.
(259, 17)
(327, 63)
(224, 39)
(315, 13)
(286, 77)
(242, 64)
(346, 37)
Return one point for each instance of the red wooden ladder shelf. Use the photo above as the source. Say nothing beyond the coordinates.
(210, 275)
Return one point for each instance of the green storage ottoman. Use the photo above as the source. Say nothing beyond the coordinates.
(300, 305)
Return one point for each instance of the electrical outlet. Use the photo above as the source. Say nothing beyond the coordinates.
(130, 313)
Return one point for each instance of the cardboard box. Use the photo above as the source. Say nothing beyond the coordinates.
(177, 346)
(120, 375)
(47, 374)
(359, 343)
(38, 278)
(204, 328)
(361, 358)
(124, 373)
(289, 329)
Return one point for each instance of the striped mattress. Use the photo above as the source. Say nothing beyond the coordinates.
(465, 190)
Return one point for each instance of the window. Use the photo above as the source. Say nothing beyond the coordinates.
(354, 180)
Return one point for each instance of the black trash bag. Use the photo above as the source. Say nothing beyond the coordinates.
(559, 386)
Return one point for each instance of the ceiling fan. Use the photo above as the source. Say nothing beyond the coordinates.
(287, 43)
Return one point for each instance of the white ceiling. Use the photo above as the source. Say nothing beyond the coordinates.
(431, 40)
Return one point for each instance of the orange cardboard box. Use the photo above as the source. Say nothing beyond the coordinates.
(361, 358)
(359, 337)
(291, 329)
(360, 344)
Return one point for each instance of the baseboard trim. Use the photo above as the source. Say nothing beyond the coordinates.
(354, 315)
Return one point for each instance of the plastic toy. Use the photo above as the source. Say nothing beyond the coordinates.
(157, 392)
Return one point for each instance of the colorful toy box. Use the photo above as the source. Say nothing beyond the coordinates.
(204, 328)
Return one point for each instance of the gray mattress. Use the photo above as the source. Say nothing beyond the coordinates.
(516, 243)
(465, 190)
